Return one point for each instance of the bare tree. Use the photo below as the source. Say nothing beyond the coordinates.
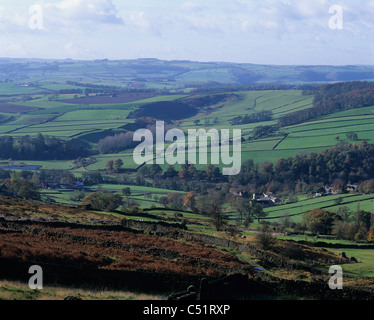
(265, 237)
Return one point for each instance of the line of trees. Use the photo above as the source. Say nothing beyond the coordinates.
(188, 172)
(344, 224)
(342, 164)
(116, 143)
(40, 148)
(261, 116)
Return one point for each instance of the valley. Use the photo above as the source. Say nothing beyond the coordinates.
(74, 201)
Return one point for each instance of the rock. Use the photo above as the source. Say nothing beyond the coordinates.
(343, 255)
(191, 289)
(71, 298)
(189, 294)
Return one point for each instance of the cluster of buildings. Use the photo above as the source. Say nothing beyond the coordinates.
(265, 199)
(329, 191)
(269, 200)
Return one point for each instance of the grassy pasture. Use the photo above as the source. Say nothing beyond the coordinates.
(28, 120)
(295, 210)
(338, 122)
(54, 86)
(69, 128)
(137, 194)
(17, 88)
(324, 133)
(365, 267)
(77, 120)
(217, 75)
(102, 159)
(280, 102)
(6, 129)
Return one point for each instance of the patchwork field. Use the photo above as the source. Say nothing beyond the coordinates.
(295, 210)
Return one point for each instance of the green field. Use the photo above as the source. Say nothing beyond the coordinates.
(365, 267)
(56, 117)
(296, 210)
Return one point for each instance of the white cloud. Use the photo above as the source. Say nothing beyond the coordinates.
(192, 6)
(80, 14)
(243, 28)
(139, 20)
(60, 17)
(12, 50)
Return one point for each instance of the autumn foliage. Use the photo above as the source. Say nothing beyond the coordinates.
(371, 234)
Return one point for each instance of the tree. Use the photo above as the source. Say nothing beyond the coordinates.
(175, 200)
(257, 211)
(23, 188)
(170, 172)
(286, 221)
(371, 234)
(320, 221)
(243, 206)
(148, 195)
(367, 186)
(344, 230)
(339, 200)
(35, 179)
(363, 218)
(68, 178)
(217, 217)
(154, 170)
(92, 177)
(117, 164)
(204, 202)
(183, 175)
(126, 191)
(213, 173)
(103, 201)
(362, 233)
(264, 237)
(344, 213)
(164, 201)
(189, 200)
(109, 166)
(352, 136)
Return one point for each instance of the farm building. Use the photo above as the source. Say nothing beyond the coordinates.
(265, 199)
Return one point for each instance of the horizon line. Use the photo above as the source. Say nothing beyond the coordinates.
(185, 60)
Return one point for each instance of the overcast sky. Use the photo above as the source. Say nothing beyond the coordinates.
(261, 32)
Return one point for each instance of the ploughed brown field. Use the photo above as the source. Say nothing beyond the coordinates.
(12, 108)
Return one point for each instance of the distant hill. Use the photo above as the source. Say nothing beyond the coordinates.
(154, 73)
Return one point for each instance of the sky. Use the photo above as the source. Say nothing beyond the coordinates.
(277, 32)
